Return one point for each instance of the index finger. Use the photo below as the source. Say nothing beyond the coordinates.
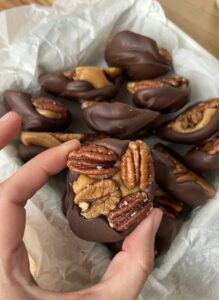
(15, 191)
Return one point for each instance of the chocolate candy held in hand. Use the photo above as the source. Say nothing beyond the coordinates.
(166, 95)
(85, 82)
(119, 120)
(138, 56)
(34, 143)
(177, 180)
(110, 189)
(193, 126)
(204, 158)
(37, 113)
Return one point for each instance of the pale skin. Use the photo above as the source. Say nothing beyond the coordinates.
(125, 275)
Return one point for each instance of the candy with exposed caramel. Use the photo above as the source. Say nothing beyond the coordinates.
(193, 126)
(204, 158)
(179, 181)
(138, 56)
(166, 95)
(38, 113)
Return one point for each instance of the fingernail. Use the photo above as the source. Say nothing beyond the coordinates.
(6, 117)
(75, 143)
(158, 214)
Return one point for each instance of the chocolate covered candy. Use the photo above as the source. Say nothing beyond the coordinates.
(204, 158)
(193, 126)
(85, 82)
(110, 189)
(138, 56)
(119, 119)
(34, 143)
(37, 113)
(177, 180)
(166, 95)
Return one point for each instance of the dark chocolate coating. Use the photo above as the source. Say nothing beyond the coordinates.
(166, 99)
(188, 192)
(98, 229)
(57, 84)
(119, 119)
(28, 152)
(196, 137)
(137, 55)
(20, 102)
(166, 233)
(200, 161)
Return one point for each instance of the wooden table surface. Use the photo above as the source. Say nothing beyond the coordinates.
(198, 18)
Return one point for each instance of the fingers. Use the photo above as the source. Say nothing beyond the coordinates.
(15, 191)
(9, 126)
(131, 266)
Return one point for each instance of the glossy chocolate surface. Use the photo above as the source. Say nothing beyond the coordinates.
(166, 99)
(119, 119)
(20, 102)
(98, 229)
(188, 192)
(200, 160)
(57, 84)
(166, 132)
(137, 55)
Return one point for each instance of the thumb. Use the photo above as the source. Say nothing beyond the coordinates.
(131, 266)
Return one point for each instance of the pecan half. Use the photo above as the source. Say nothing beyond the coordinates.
(175, 82)
(93, 75)
(48, 139)
(137, 166)
(196, 118)
(95, 161)
(49, 108)
(130, 211)
(98, 198)
(212, 147)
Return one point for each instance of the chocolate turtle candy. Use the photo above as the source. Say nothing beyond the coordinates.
(166, 95)
(138, 56)
(177, 180)
(193, 126)
(85, 82)
(120, 120)
(204, 158)
(34, 142)
(37, 113)
(110, 189)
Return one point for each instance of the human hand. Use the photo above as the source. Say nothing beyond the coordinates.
(128, 270)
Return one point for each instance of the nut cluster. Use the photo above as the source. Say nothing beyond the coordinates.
(118, 191)
(196, 117)
(212, 147)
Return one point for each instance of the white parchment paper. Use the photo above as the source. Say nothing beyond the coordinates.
(33, 40)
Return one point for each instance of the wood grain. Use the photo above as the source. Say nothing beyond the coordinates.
(198, 18)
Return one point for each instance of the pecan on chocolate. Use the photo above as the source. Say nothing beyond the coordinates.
(95, 161)
(196, 118)
(137, 166)
(175, 82)
(49, 108)
(98, 198)
(130, 211)
(93, 75)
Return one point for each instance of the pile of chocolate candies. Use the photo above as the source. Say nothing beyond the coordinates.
(115, 178)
